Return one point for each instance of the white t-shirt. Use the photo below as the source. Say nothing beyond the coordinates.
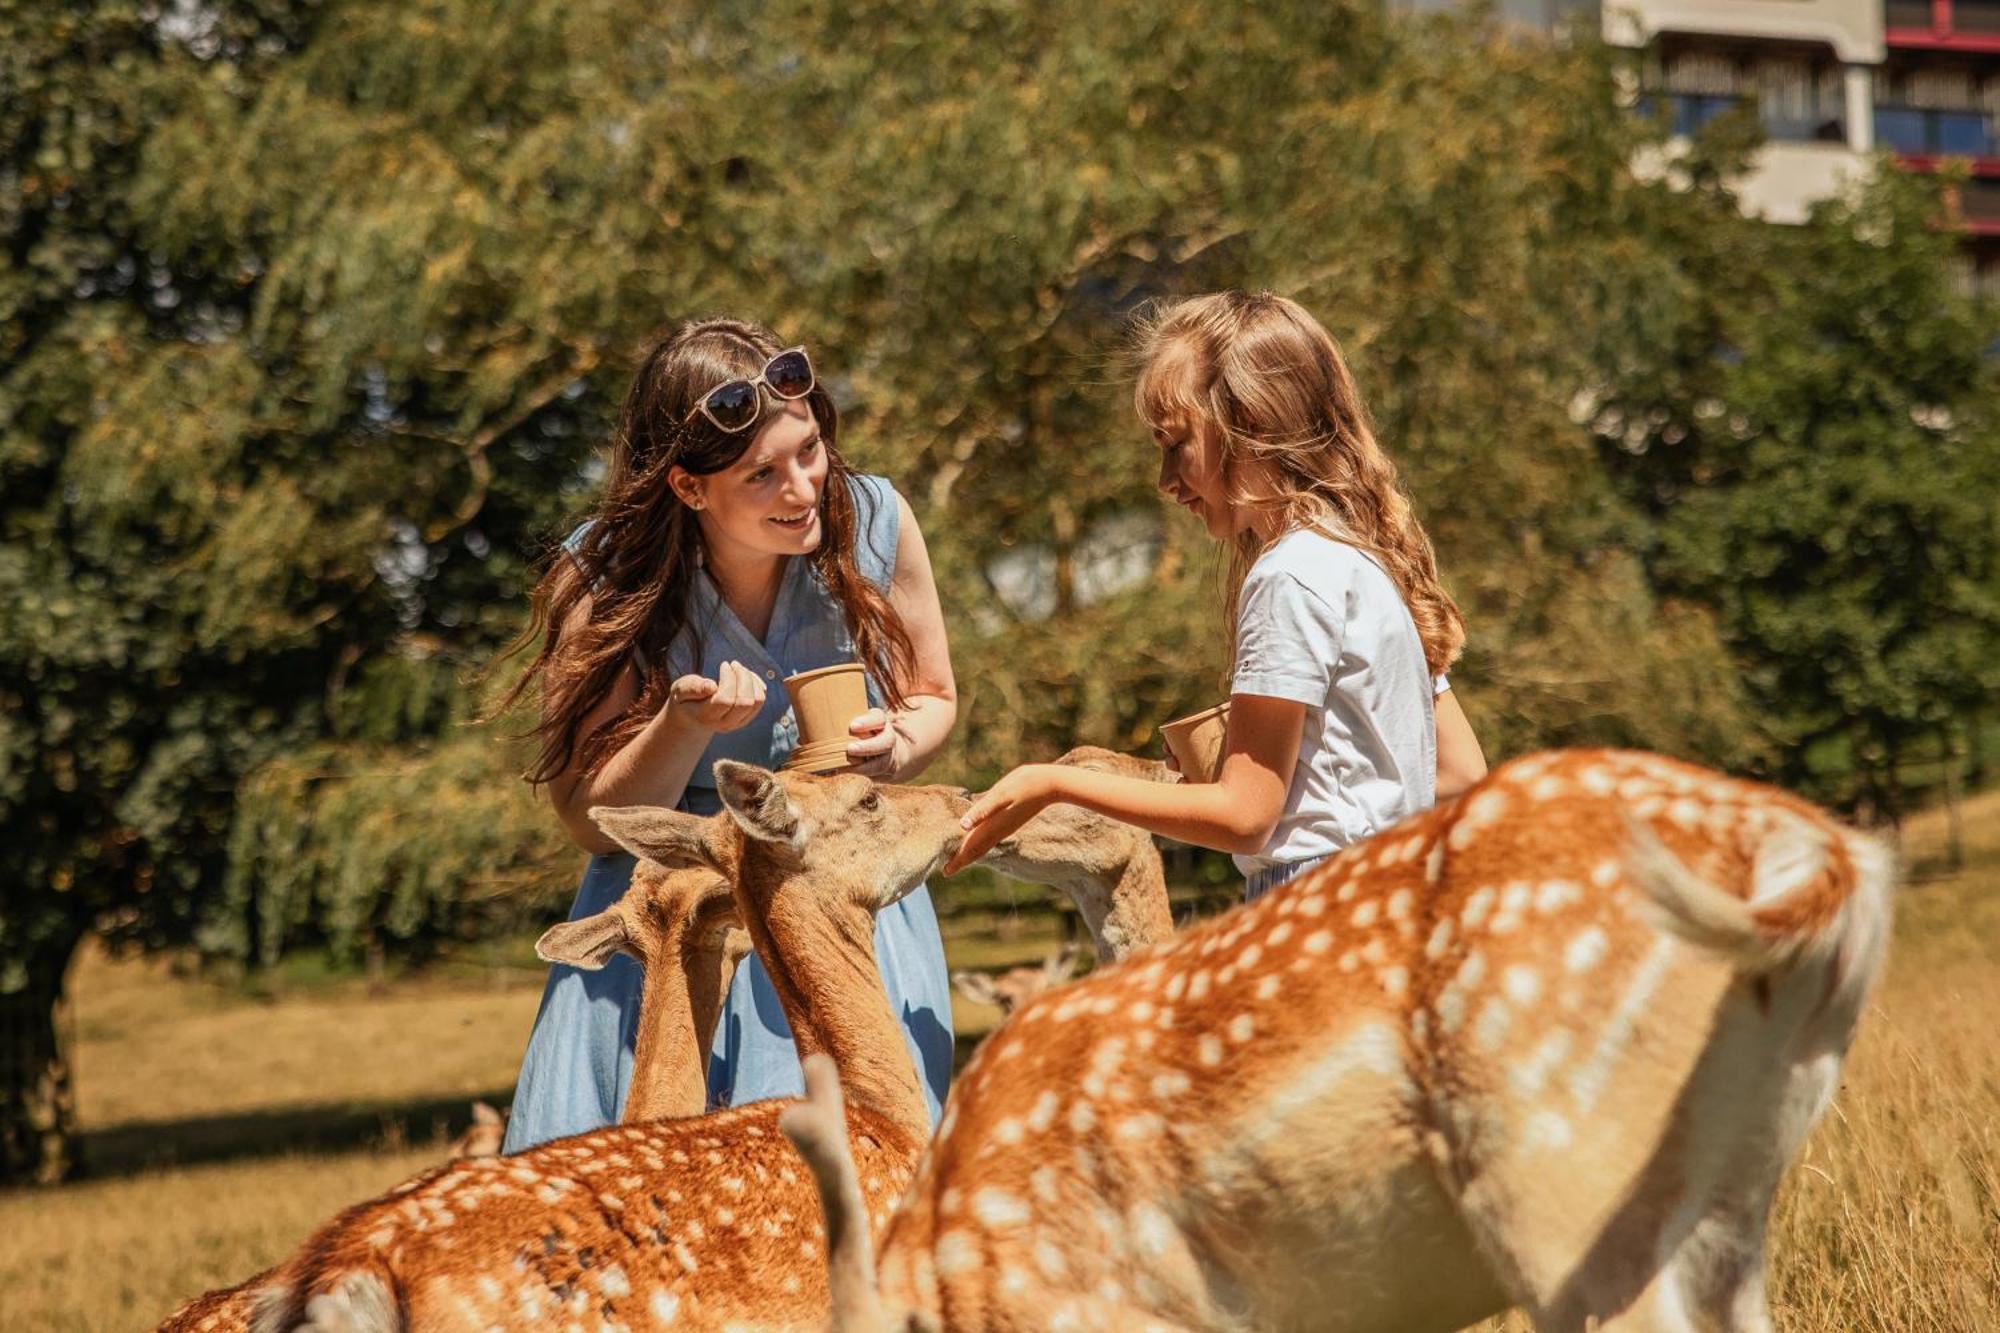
(1320, 623)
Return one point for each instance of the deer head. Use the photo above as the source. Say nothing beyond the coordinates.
(811, 860)
(1016, 986)
(683, 928)
(1109, 869)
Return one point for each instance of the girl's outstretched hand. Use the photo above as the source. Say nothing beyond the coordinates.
(1003, 808)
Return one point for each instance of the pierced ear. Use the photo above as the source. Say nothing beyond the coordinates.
(756, 800)
(665, 837)
(587, 944)
(685, 486)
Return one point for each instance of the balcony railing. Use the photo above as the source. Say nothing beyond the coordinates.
(1925, 130)
(1689, 112)
(1976, 16)
(1970, 18)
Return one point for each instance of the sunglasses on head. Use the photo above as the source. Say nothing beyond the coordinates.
(734, 405)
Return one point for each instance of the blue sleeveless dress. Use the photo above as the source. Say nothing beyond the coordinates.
(579, 1059)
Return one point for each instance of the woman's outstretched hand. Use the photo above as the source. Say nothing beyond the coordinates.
(726, 703)
(1003, 808)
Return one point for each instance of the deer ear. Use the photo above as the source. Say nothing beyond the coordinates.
(587, 944)
(976, 986)
(757, 801)
(665, 837)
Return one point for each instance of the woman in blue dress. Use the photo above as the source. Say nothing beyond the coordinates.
(732, 547)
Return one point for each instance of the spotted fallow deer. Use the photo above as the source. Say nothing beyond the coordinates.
(700, 1223)
(1009, 990)
(683, 928)
(1550, 1044)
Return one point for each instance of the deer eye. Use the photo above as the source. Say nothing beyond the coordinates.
(872, 801)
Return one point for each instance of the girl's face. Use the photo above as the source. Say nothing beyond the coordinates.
(767, 501)
(1191, 476)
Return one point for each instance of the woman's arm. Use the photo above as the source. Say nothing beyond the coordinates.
(654, 767)
(1235, 813)
(900, 746)
(1460, 760)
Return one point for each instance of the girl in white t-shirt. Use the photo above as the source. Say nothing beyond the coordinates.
(1341, 721)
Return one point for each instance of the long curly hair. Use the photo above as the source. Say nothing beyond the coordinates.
(625, 585)
(1263, 379)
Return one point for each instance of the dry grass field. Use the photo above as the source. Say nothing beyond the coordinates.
(1890, 1222)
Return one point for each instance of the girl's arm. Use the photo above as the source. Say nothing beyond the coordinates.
(1460, 760)
(896, 747)
(1235, 813)
(654, 767)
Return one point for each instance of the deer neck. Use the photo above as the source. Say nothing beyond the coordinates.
(1136, 913)
(670, 1053)
(821, 959)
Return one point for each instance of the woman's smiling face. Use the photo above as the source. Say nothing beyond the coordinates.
(767, 501)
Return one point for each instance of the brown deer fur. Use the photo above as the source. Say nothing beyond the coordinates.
(1550, 1044)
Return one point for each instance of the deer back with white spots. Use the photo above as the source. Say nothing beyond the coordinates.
(1550, 1044)
(699, 1223)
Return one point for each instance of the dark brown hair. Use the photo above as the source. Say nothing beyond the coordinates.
(635, 562)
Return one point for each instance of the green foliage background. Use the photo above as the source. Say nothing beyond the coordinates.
(314, 315)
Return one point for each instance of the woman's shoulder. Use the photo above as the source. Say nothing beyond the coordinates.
(877, 525)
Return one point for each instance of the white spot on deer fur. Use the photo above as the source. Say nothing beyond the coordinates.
(1279, 934)
(1267, 988)
(1440, 939)
(1548, 788)
(1141, 1011)
(1045, 1183)
(1198, 986)
(1318, 942)
(1586, 1083)
(1154, 1231)
(1482, 810)
(1241, 1028)
(1557, 894)
(1605, 873)
(1170, 1084)
(1364, 915)
(1396, 980)
(1349, 886)
(665, 1306)
(1140, 1126)
(1312, 904)
(1491, 1030)
(1685, 812)
(1175, 985)
(1013, 1279)
(1081, 1117)
(1375, 951)
(1531, 1075)
(1210, 1049)
(1399, 904)
(1049, 1259)
(1043, 1113)
(1522, 984)
(1586, 950)
(1471, 971)
(684, 1258)
(1547, 1130)
(1008, 1130)
(956, 1253)
(1477, 906)
(1450, 1010)
(1349, 961)
(998, 1208)
(1598, 781)
(1248, 958)
(1434, 863)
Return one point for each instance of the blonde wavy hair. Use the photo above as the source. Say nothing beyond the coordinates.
(1262, 378)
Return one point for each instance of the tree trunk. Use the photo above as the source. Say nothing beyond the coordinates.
(37, 1104)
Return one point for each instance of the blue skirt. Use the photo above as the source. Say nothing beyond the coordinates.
(578, 1064)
